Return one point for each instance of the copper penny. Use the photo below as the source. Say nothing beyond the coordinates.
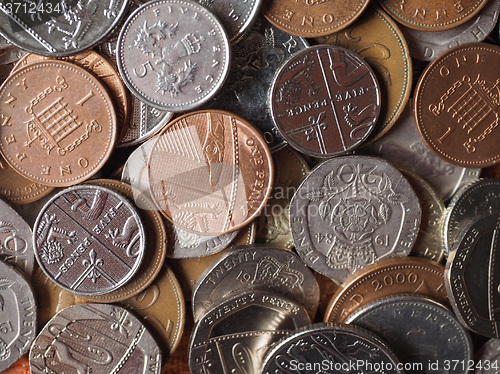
(89, 240)
(312, 18)
(384, 278)
(432, 15)
(325, 100)
(457, 105)
(210, 172)
(22, 366)
(58, 124)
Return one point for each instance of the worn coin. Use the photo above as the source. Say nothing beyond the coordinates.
(324, 348)
(173, 54)
(210, 172)
(426, 46)
(265, 268)
(312, 18)
(351, 211)
(97, 339)
(58, 123)
(325, 100)
(456, 105)
(488, 358)
(18, 308)
(89, 240)
(378, 40)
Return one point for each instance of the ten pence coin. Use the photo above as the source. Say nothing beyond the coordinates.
(58, 123)
(457, 101)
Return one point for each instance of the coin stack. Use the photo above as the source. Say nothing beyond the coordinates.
(227, 186)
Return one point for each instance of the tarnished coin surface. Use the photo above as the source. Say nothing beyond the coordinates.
(325, 100)
(173, 54)
(89, 240)
(351, 211)
(59, 28)
(58, 123)
(18, 308)
(419, 330)
(255, 267)
(97, 339)
(472, 276)
(210, 172)
(488, 358)
(456, 105)
(349, 350)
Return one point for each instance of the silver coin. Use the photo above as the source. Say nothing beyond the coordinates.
(352, 211)
(16, 240)
(97, 339)
(426, 46)
(403, 146)
(59, 28)
(173, 54)
(329, 348)
(18, 310)
(273, 269)
(220, 342)
(472, 276)
(11, 55)
(420, 331)
(236, 15)
(487, 359)
(256, 59)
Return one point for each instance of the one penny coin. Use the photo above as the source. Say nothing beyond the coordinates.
(457, 103)
(58, 123)
(210, 172)
(325, 100)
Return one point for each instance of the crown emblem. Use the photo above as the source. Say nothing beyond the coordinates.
(192, 44)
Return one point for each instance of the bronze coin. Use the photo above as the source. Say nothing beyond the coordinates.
(58, 124)
(89, 240)
(325, 100)
(432, 15)
(210, 172)
(312, 18)
(457, 105)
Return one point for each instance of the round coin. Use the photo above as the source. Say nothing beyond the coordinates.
(351, 211)
(210, 172)
(89, 240)
(173, 54)
(456, 105)
(488, 358)
(97, 339)
(58, 123)
(17, 305)
(325, 100)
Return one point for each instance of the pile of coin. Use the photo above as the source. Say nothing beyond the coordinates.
(194, 186)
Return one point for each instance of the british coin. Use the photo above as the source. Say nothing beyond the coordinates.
(344, 345)
(22, 366)
(488, 358)
(95, 338)
(55, 28)
(89, 240)
(155, 252)
(11, 55)
(327, 288)
(311, 18)
(403, 147)
(425, 340)
(210, 172)
(455, 101)
(325, 100)
(426, 46)
(256, 58)
(351, 211)
(265, 268)
(16, 240)
(173, 54)
(18, 307)
(58, 123)
(219, 340)
(471, 265)
(432, 15)
(162, 308)
(378, 40)
(385, 278)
